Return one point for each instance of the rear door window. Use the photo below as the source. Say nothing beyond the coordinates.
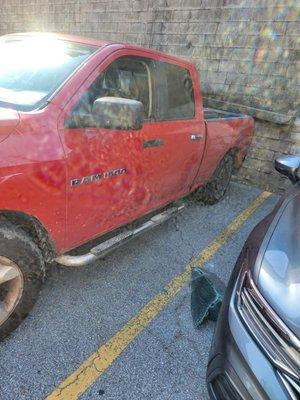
(175, 92)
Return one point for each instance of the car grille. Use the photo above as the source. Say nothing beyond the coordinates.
(291, 386)
(280, 345)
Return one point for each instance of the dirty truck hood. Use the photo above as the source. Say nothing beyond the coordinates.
(9, 119)
(278, 277)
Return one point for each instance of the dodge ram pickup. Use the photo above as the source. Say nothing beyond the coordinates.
(98, 140)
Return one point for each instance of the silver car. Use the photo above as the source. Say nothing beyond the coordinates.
(256, 348)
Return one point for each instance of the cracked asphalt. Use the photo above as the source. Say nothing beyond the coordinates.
(81, 309)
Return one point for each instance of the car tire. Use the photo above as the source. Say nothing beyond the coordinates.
(214, 190)
(22, 271)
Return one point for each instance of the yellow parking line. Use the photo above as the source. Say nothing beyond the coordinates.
(95, 365)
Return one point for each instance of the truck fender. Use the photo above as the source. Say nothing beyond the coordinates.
(34, 228)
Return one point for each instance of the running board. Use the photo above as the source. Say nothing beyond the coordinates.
(111, 244)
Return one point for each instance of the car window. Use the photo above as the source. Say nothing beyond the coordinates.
(33, 68)
(175, 90)
(127, 77)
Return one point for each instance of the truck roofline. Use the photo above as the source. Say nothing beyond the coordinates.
(99, 43)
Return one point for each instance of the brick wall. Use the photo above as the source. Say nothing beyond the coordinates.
(247, 53)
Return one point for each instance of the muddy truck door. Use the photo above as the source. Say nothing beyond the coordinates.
(179, 140)
(105, 170)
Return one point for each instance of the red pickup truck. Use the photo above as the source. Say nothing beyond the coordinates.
(97, 140)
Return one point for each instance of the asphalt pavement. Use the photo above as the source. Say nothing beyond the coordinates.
(83, 312)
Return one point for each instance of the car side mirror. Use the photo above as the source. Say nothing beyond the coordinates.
(289, 166)
(118, 113)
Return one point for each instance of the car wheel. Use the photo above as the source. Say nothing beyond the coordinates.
(21, 276)
(214, 190)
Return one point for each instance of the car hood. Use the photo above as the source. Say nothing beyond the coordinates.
(278, 277)
(9, 119)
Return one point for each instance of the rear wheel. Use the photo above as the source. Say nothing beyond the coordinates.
(216, 188)
(21, 276)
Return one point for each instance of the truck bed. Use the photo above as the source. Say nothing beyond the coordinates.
(213, 114)
(224, 131)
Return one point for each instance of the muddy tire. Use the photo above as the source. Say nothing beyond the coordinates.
(215, 189)
(21, 276)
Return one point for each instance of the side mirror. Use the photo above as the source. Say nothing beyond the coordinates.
(118, 113)
(289, 166)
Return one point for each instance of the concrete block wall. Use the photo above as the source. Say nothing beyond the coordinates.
(246, 51)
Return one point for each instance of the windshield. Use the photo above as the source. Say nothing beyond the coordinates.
(31, 69)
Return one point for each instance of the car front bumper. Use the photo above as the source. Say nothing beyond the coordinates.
(238, 369)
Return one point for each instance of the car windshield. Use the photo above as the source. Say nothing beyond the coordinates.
(33, 68)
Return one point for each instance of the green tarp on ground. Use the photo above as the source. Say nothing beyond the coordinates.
(206, 297)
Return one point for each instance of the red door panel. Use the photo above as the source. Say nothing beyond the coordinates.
(171, 167)
(180, 131)
(105, 173)
(104, 188)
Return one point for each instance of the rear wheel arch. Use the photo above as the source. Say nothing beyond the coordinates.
(214, 189)
(234, 153)
(237, 155)
(34, 229)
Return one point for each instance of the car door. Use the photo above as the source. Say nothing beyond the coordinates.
(175, 148)
(105, 175)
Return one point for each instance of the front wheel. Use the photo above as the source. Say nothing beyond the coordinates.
(21, 276)
(214, 190)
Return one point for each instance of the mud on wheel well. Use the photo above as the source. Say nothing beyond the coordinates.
(238, 156)
(34, 229)
(233, 152)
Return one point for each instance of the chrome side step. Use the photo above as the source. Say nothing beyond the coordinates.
(111, 244)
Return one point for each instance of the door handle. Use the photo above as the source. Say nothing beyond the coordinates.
(196, 137)
(153, 143)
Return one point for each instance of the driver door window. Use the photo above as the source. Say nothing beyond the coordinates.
(127, 77)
